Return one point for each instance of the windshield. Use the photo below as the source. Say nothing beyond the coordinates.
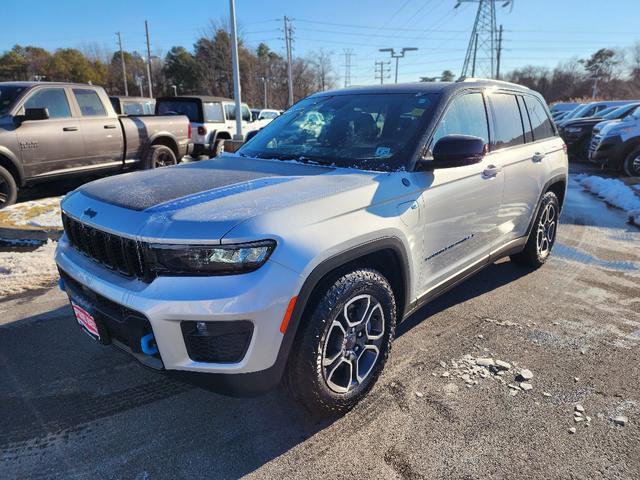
(368, 131)
(577, 113)
(8, 94)
(619, 112)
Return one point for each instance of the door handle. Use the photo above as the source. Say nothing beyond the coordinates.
(110, 126)
(538, 157)
(491, 171)
(70, 129)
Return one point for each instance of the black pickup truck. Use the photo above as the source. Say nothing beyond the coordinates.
(50, 130)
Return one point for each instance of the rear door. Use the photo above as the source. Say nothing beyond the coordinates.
(51, 145)
(521, 128)
(461, 204)
(101, 132)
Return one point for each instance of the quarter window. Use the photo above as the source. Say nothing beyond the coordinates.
(89, 102)
(212, 112)
(53, 99)
(465, 116)
(540, 122)
(507, 122)
(230, 111)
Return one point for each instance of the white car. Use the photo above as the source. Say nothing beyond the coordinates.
(213, 120)
(294, 258)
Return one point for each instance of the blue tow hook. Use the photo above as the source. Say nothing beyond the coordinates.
(148, 344)
(61, 285)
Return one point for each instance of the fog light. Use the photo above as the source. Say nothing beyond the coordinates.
(201, 327)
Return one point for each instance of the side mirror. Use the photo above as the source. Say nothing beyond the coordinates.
(250, 135)
(456, 151)
(35, 114)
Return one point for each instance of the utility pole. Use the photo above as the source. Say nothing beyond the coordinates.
(594, 88)
(265, 79)
(485, 43)
(124, 69)
(499, 52)
(381, 70)
(146, 28)
(288, 30)
(347, 66)
(397, 55)
(236, 70)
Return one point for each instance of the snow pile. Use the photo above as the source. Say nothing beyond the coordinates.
(20, 271)
(615, 193)
(44, 213)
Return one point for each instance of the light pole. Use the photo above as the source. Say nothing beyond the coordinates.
(236, 69)
(398, 56)
(174, 89)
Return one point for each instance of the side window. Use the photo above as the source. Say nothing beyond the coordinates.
(507, 122)
(53, 99)
(246, 113)
(133, 108)
(465, 116)
(213, 112)
(540, 122)
(528, 130)
(89, 102)
(230, 111)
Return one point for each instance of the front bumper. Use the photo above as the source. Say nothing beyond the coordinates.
(609, 150)
(260, 297)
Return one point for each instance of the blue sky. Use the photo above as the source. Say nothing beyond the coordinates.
(540, 32)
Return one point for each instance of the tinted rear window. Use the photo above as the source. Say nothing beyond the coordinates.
(190, 108)
(507, 123)
(540, 121)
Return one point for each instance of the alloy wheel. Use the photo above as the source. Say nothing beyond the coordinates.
(4, 192)
(164, 159)
(352, 344)
(546, 233)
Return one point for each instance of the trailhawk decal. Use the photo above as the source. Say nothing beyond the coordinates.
(449, 247)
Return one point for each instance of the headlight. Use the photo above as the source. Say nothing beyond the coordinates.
(573, 129)
(208, 259)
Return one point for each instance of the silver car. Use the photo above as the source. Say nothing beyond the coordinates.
(294, 259)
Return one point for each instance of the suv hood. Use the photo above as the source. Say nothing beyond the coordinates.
(206, 199)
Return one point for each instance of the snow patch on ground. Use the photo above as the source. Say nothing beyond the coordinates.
(614, 192)
(44, 213)
(21, 271)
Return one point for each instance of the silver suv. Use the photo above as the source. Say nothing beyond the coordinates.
(295, 258)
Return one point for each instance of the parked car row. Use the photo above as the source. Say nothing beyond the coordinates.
(606, 133)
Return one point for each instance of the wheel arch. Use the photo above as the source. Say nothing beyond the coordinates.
(9, 161)
(557, 185)
(163, 138)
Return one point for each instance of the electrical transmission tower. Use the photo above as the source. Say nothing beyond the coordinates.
(383, 70)
(347, 66)
(485, 44)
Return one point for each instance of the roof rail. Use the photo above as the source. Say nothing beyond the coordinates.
(491, 80)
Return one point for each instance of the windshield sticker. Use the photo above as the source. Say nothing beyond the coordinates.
(383, 152)
(416, 112)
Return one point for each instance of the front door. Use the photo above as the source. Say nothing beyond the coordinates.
(460, 204)
(56, 144)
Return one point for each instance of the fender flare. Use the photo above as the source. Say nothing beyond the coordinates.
(15, 163)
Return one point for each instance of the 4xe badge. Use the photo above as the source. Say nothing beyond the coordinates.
(86, 320)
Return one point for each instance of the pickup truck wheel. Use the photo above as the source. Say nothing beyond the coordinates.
(543, 233)
(344, 343)
(159, 156)
(631, 164)
(8, 188)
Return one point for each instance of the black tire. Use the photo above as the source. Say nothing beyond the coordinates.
(543, 233)
(631, 165)
(159, 156)
(8, 188)
(218, 148)
(316, 384)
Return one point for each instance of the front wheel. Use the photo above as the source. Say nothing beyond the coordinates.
(8, 188)
(343, 343)
(543, 233)
(631, 164)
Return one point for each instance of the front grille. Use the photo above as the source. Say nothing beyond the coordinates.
(217, 342)
(117, 253)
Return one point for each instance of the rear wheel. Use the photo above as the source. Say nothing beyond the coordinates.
(543, 233)
(631, 164)
(159, 156)
(8, 188)
(344, 343)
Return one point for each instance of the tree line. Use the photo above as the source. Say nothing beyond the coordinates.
(206, 69)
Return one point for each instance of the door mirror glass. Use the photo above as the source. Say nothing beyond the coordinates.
(36, 114)
(456, 151)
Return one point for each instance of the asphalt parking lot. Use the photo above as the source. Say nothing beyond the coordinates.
(70, 408)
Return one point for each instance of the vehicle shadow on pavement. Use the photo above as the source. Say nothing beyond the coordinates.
(494, 276)
(81, 405)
